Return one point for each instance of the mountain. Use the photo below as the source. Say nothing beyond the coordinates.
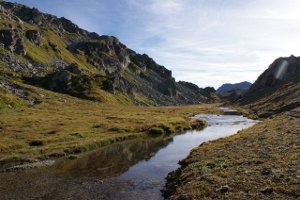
(41, 50)
(243, 86)
(276, 90)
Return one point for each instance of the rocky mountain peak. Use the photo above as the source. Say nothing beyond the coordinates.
(56, 54)
(35, 17)
(281, 71)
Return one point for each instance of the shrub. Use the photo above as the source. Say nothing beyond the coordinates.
(198, 124)
(75, 150)
(120, 129)
(167, 129)
(156, 131)
(50, 132)
(36, 143)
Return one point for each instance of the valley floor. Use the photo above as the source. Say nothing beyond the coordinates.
(262, 162)
(62, 125)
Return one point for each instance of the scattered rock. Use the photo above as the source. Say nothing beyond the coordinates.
(223, 189)
(266, 171)
(16, 90)
(12, 41)
(15, 64)
(267, 190)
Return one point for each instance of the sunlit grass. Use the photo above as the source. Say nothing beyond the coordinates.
(63, 125)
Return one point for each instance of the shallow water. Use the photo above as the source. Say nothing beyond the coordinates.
(129, 170)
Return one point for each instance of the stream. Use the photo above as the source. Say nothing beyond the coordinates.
(134, 169)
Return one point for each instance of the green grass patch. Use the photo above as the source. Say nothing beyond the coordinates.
(198, 124)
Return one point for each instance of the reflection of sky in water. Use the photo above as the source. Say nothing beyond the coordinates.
(134, 169)
(167, 158)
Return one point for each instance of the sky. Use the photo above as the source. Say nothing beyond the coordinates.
(207, 42)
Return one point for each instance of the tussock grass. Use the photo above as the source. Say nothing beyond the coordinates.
(68, 125)
(261, 162)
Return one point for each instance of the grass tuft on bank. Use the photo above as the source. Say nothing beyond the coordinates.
(60, 125)
(261, 162)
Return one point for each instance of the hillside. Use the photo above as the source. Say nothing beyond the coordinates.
(42, 50)
(261, 162)
(266, 164)
(276, 90)
(243, 87)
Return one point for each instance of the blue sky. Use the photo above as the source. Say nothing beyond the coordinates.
(207, 42)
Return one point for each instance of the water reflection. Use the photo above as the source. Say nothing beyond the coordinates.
(112, 160)
(128, 170)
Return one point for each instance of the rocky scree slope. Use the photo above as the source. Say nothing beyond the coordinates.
(276, 90)
(53, 53)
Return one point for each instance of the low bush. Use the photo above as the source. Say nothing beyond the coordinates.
(35, 143)
(156, 131)
(167, 128)
(198, 124)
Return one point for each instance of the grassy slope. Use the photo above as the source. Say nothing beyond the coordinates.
(65, 125)
(46, 55)
(61, 124)
(261, 162)
(283, 98)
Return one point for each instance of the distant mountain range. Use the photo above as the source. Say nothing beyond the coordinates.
(41, 50)
(243, 86)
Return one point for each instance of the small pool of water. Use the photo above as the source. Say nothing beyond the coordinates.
(129, 170)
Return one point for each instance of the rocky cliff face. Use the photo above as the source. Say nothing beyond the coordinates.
(56, 54)
(281, 71)
(277, 89)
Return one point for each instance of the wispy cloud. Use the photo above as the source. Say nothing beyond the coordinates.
(205, 42)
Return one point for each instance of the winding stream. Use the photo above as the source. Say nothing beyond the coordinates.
(128, 170)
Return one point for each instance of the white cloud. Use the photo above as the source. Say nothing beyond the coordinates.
(247, 36)
(208, 42)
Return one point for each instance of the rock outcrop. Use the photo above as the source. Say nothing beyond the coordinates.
(281, 71)
(276, 90)
(34, 36)
(34, 17)
(58, 55)
(12, 41)
(70, 80)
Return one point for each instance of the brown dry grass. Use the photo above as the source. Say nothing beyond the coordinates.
(261, 162)
(63, 125)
